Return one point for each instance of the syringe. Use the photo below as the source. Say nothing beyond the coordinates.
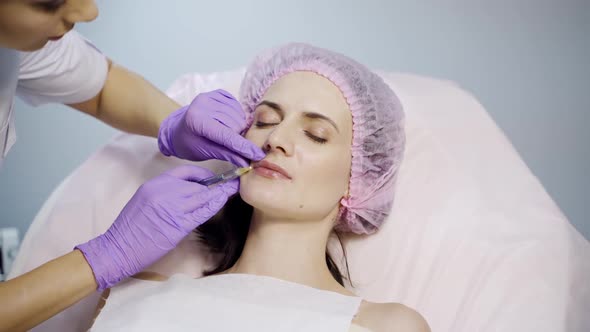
(224, 177)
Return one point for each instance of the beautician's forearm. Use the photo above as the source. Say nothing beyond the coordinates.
(34, 297)
(129, 103)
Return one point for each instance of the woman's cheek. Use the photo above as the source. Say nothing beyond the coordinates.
(257, 137)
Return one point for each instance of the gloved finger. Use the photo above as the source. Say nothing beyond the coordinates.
(231, 106)
(193, 196)
(234, 158)
(236, 124)
(209, 207)
(225, 93)
(187, 189)
(201, 200)
(233, 141)
(227, 155)
(228, 104)
(244, 147)
(227, 98)
(190, 173)
(220, 152)
(230, 187)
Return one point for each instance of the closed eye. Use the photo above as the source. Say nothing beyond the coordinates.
(260, 124)
(315, 138)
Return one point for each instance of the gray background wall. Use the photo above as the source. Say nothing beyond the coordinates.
(525, 60)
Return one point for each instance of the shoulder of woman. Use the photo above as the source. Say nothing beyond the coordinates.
(379, 317)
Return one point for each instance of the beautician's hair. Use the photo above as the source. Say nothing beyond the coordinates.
(226, 232)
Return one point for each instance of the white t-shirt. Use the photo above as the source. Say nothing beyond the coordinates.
(70, 70)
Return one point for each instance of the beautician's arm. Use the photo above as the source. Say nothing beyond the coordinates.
(34, 297)
(129, 102)
(161, 213)
(212, 131)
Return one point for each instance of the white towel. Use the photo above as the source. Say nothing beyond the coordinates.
(229, 302)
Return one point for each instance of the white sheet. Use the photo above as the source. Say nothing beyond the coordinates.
(474, 242)
(254, 303)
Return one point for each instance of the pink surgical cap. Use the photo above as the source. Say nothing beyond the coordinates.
(378, 125)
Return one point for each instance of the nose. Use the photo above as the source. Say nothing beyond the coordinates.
(80, 11)
(279, 140)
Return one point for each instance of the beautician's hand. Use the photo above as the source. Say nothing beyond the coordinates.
(209, 128)
(160, 214)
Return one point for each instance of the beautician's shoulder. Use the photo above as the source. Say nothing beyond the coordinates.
(67, 71)
(381, 317)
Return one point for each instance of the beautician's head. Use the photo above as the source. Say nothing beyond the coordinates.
(304, 125)
(27, 25)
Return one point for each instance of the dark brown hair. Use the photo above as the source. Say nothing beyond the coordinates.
(226, 233)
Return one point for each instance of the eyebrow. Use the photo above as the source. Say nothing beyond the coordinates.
(310, 115)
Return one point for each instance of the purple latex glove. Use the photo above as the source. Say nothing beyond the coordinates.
(161, 213)
(209, 128)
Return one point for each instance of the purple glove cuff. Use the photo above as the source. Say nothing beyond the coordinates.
(166, 131)
(104, 262)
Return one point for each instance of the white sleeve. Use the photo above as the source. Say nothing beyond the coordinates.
(70, 70)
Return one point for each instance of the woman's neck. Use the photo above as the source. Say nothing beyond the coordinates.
(290, 250)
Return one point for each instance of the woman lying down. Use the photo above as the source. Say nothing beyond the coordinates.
(334, 138)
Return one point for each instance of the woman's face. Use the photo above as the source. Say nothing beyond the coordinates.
(304, 125)
(27, 25)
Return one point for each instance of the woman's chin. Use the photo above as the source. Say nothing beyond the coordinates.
(262, 200)
(260, 192)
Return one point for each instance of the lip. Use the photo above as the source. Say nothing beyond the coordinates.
(269, 169)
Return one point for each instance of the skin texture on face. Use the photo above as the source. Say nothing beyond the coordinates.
(27, 25)
(304, 125)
